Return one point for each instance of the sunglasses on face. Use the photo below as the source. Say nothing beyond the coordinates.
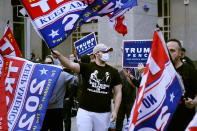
(48, 62)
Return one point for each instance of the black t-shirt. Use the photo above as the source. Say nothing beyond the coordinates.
(183, 115)
(188, 61)
(128, 92)
(189, 77)
(98, 83)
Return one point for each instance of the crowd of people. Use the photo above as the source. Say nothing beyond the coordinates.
(95, 85)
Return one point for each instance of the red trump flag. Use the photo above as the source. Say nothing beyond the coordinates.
(159, 92)
(8, 44)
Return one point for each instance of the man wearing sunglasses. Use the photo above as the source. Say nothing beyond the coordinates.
(100, 81)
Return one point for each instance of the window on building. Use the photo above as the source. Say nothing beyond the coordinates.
(18, 28)
(15, 2)
(164, 17)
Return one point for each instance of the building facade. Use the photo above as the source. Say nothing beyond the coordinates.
(176, 18)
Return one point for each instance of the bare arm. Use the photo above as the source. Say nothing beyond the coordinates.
(141, 68)
(75, 67)
(117, 101)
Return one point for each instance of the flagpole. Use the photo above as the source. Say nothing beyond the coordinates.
(158, 27)
(52, 50)
(8, 22)
(28, 39)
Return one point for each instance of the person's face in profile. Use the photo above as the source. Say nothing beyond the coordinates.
(174, 50)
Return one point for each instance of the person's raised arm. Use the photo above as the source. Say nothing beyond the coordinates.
(117, 101)
(75, 67)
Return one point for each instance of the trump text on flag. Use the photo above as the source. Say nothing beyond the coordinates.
(57, 19)
(8, 44)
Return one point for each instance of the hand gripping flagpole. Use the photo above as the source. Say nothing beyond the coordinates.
(52, 51)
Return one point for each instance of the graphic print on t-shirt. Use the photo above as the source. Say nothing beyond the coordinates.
(99, 85)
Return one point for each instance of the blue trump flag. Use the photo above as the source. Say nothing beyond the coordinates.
(57, 19)
(28, 87)
(85, 45)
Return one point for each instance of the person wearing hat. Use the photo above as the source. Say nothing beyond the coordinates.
(100, 81)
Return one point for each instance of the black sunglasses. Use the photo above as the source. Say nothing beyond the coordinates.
(48, 62)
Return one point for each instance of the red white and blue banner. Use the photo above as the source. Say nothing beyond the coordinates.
(26, 88)
(135, 52)
(3, 109)
(159, 92)
(57, 19)
(85, 45)
(193, 124)
(8, 44)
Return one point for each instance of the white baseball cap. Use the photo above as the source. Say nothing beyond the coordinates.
(101, 47)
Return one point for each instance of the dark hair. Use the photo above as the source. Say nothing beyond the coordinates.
(85, 59)
(33, 55)
(183, 49)
(175, 40)
(50, 57)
